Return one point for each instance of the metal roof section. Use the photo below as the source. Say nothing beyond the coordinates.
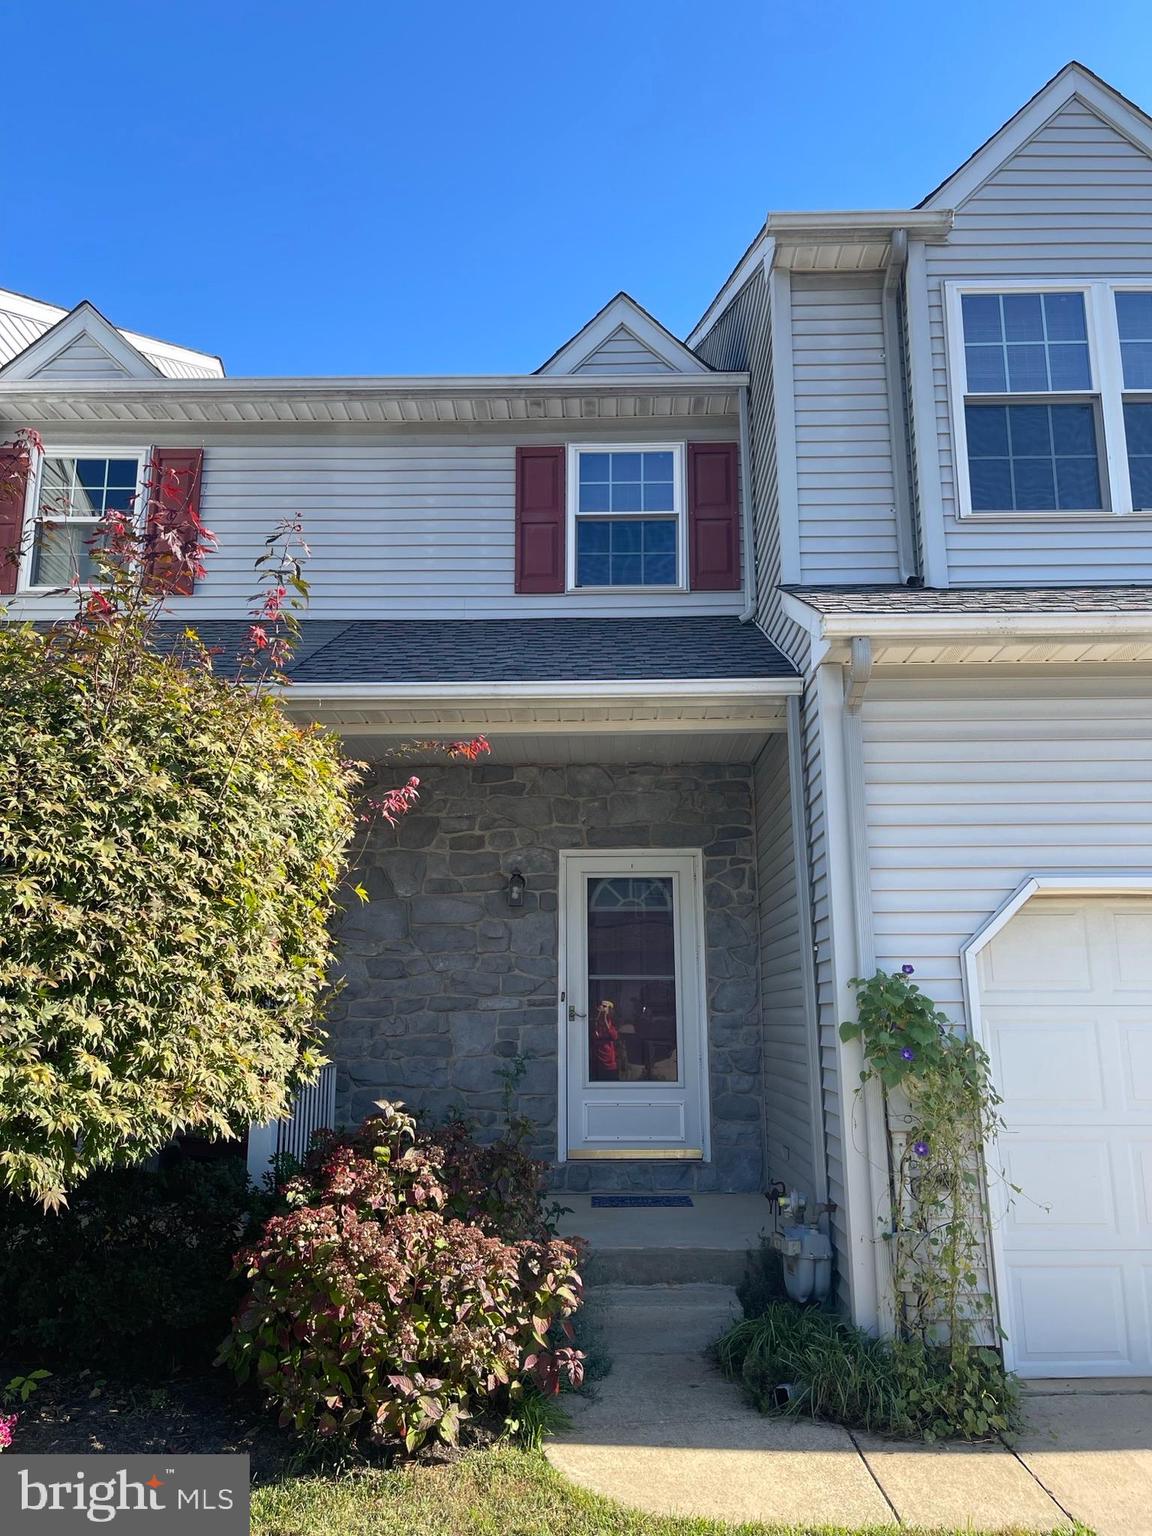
(24, 320)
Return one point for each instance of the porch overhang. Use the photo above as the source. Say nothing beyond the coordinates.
(725, 718)
(1102, 634)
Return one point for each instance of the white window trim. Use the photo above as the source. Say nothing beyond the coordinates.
(679, 453)
(24, 582)
(1108, 391)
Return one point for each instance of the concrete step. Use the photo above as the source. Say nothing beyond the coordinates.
(706, 1243)
(674, 1320)
(665, 1266)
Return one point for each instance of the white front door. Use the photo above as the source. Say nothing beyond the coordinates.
(1066, 1002)
(632, 1005)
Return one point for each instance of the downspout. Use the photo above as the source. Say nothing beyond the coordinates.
(749, 557)
(857, 676)
(897, 411)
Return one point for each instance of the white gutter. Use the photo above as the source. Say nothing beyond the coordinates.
(856, 222)
(650, 690)
(1107, 624)
(353, 388)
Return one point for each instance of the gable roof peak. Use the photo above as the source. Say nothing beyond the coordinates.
(636, 343)
(82, 320)
(1074, 81)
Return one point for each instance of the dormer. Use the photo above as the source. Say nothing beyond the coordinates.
(623, 338)
(81, 346)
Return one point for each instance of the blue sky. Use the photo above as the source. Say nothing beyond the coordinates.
(369, 186)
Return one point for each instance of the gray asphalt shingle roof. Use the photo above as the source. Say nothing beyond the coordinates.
(514, 650)
(975, 600)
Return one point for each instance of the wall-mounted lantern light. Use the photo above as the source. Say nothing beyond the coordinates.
(516, 884)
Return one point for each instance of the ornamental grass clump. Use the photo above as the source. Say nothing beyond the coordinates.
(801, 1362)
(375, 1314)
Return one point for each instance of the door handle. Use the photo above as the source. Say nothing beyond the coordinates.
(573, 1015)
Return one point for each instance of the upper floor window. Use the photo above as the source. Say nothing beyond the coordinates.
(1046, 385)
(1134, 325)
(626, 526)
(1037, 452)
(71, 496)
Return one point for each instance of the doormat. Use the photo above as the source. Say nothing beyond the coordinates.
(601, 1202)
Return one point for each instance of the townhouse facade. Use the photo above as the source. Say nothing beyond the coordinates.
(816, 642)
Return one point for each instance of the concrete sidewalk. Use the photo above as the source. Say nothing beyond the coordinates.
(667, 1434)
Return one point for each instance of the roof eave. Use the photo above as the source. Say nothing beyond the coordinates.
(415, 387)
(679, 689)
(867, 223)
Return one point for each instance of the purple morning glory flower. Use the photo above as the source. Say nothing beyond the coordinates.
(920, 1148)
(908, 1054)
(909, 970)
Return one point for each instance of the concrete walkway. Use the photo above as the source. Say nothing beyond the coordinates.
(667, 1434)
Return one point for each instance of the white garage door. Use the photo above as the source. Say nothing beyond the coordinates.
(1066, 996)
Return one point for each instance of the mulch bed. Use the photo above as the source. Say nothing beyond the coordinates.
(82, 1412)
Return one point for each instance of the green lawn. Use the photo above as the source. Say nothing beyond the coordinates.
(502, 1492)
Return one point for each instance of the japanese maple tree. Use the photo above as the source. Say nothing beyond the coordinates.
(173, 847)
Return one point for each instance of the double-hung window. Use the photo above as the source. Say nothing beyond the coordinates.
(1052, 391)
(626, 516)
(72, 493)
(1134, 327)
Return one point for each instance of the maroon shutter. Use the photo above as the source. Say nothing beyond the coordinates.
(540, 519)
(174, 511)
(15, 467)
(713, 518)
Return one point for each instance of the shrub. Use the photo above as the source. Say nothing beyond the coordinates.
(841, 1375)
(375, 1312)
(170, 853)
(494, 1184)
(134, 1278)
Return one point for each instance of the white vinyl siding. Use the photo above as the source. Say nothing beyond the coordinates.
(1073, 204)
(82, 360)
(414, 528)
(623, 353)
(844, 469)
(973, 785)
(785, 1058)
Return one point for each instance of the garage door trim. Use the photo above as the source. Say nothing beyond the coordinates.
(1054, 883)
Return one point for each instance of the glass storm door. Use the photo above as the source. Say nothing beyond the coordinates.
(632, 1005)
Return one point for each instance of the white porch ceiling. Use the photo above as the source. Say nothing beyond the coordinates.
(664, 749)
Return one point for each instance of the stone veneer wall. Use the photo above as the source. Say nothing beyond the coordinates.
(445, 985)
